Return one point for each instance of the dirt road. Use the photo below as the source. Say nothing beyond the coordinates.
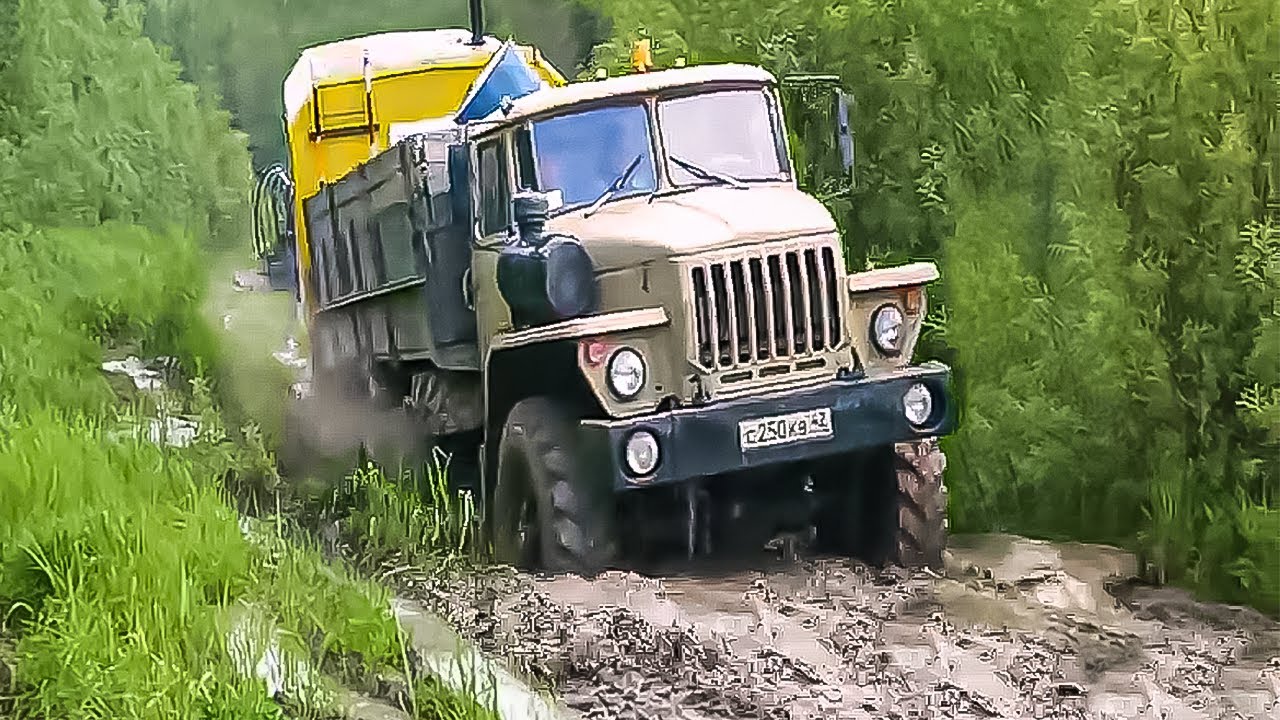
(1016, 629)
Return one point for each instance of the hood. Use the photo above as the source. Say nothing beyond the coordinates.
(626, 233)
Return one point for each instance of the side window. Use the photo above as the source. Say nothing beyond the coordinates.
(495, 196)
(526, 179)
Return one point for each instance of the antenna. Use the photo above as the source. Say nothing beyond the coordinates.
(477, 21)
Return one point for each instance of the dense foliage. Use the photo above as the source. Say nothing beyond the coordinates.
(242, 49)
(126, 578)
(1097, 180)
(94, 126)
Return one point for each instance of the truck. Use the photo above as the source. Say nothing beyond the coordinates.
(609, 299)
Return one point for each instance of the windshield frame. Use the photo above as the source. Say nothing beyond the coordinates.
(660, 157)
(644, 102)
(786, 173)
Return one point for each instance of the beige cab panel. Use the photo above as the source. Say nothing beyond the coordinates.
(595, 354)
(901, 287)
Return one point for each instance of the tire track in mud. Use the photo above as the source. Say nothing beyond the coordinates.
(1028, 631)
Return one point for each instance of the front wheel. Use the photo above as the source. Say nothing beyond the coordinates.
(549, 512)
(887, 505)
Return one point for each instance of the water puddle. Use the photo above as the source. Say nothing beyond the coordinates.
(145, 376)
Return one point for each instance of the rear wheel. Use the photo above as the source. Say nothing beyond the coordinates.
(549, 512)
(887, 505)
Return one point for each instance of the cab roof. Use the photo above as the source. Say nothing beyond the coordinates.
(549, 99)
(387, 52)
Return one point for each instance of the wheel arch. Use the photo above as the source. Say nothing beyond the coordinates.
(514, 374)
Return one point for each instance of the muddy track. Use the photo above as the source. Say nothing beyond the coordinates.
(1016, 629)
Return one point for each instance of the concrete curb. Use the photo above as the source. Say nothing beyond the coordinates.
(460, 665)
(360, 707)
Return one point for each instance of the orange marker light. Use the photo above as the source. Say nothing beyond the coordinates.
(642, 55)
(912, 300)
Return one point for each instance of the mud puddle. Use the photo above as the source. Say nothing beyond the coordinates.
(1014, 629)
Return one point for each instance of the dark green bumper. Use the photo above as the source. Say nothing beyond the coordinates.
(704, 441)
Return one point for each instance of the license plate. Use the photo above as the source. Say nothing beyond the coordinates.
(785, 429)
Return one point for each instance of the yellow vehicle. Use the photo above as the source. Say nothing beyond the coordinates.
(611, 295)
(342, 101)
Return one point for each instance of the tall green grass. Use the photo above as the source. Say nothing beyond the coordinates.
(126, 578)
(124, 566)
(411, 515)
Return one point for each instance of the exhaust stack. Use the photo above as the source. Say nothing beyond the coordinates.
(477, 21)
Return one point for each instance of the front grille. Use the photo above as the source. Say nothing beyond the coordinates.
(778, 306)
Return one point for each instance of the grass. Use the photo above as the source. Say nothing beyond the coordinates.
(435, 701)
(126, 576)
(414, 516)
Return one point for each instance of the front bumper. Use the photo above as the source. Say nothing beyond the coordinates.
(704, 441)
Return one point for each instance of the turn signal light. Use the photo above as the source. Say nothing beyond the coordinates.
(594, 352)
(913, 299)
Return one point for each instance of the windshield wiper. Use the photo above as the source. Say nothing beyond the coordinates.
(706, 174)
(615, 186)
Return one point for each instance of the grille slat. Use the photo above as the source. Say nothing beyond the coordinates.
(731, 302)
(823, 289)
(832, 303)
(753, 335)
(713, 305)
(766, 305)
(804, 279)
(817, 308)
(756, 309)
(788, 307)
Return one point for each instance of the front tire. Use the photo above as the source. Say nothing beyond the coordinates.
(549, 512)
(886, 506)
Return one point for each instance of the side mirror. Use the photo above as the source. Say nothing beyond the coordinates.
(530, 208)
(844, 135)
(818, 116)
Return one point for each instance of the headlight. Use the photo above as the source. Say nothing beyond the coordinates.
(917, 404)
(626, 373)
(641, 453)
(886, 329)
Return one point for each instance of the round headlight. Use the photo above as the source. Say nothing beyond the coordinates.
(917, 404)
(626, 373)
(641, 453)
(886, 329)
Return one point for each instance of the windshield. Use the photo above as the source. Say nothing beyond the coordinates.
(730, 134)
(585, 154)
